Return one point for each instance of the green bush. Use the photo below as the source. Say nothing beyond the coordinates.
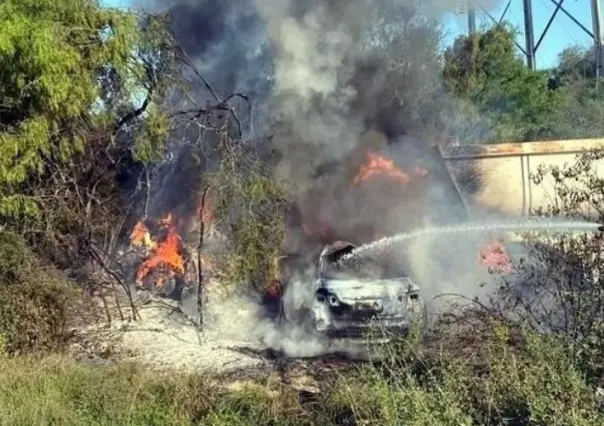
(250, 206)
(497, 379)
(35, 300)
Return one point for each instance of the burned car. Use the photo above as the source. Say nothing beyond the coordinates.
(341, 303)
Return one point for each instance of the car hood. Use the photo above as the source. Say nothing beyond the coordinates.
(355, 290)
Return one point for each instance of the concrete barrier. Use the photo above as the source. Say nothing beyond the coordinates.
(505, 186)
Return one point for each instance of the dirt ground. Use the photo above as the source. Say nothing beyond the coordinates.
(235, 345)
(166, 336)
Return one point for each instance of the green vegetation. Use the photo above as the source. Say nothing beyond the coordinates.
(60, 59)
(486, 70)
(34, 300)
(514, 103)
(70, 76)
(507, 378)
(251, 205)
(83, 95)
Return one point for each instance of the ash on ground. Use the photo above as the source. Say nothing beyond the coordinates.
(166, 335)
(236, 336)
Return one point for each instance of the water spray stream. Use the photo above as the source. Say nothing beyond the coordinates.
(548, 225)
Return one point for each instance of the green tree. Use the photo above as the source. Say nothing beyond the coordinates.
(575, 64)
(485, 70)
(81, 91)
(581, 113)
(70, 73)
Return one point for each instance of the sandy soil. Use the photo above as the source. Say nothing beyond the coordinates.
(165, 337)
(237, 343)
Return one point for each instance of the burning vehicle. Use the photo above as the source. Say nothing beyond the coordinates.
(342, 304)
(334, 302)
(165, 266)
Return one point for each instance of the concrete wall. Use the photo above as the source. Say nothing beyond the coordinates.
(505, 170)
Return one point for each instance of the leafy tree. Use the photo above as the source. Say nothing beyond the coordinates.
(485, 70)
(80, 102)
(575, 64)
(581, 113)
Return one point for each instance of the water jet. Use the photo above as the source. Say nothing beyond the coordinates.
(547, 225)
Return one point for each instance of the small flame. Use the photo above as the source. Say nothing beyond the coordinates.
(165, 254)
(274, 289)
(494, 257)
(377, 165)
(140, 235)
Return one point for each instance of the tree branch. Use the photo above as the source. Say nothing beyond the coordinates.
(200, 278)
(96, 257)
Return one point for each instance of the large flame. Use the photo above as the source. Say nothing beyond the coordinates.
(377, 165)
(166, 254)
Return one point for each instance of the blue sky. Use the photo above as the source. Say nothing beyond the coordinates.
(562, 33)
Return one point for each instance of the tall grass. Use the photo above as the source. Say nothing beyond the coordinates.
(497, 382)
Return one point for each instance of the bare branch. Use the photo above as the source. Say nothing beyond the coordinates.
(200, 278)
(96, 257)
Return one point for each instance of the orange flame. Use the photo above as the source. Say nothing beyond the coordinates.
(140, 235)
(494, 257)
(165, 254)
(377, 165)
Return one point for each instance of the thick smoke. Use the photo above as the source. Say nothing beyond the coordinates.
(324, 65)
(321, 74)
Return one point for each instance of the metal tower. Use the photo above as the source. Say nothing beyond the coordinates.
(530, 46)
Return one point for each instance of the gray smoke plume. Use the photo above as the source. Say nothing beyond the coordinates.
(320, 74)
(322, 51)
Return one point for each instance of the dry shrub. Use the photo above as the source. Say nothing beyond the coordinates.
(36, 301)
(559, 287)
(503, 376)
(536, 383)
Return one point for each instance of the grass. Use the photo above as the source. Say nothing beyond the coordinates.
(497, 384)
(489, 375)
(56, 390)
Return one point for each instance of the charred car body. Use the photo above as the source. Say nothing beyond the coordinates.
(345, 304)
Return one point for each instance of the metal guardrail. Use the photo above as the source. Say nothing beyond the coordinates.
(527, 153)
(472, 152)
